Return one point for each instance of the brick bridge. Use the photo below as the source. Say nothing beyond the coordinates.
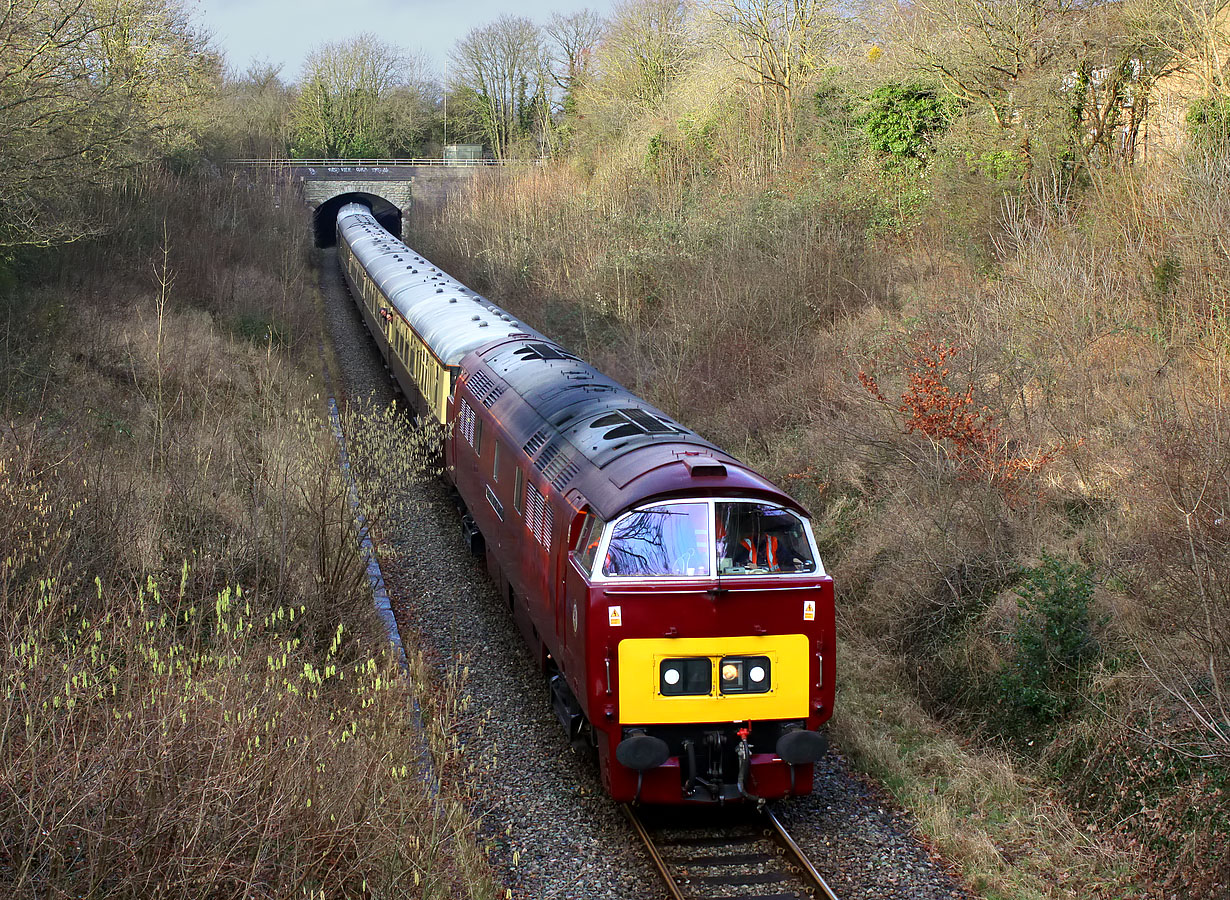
(391, 187)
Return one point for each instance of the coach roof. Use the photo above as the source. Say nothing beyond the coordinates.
(451, 319)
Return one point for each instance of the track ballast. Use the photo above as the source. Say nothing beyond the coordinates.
(748, 855)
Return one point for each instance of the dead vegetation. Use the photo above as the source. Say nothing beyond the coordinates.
(197, 701)
(1005, 404)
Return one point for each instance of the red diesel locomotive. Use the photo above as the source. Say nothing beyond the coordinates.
(674, 597)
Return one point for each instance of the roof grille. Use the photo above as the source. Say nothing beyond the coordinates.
(535, 443)
(492, 396)
(556, 466)
(485, 389)
(539, 350)
(651, 424)
(566, 474)
(546, 459)
(481, 384)
(624, 423)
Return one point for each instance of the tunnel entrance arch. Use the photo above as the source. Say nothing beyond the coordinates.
(324, 217)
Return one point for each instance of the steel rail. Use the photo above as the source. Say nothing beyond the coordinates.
(793, 861)
(663, 869)
(784, 838)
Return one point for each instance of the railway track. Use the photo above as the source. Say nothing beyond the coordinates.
(746, 856)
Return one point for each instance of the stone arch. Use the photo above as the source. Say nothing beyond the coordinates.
(324, 217)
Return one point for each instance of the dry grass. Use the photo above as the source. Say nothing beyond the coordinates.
(1011, 835)
(698, 311)
(197, 699)
(196, 750)
(1092, 341)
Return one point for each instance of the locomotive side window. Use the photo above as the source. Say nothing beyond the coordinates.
(519, 492)
(495, 466)
(759, 538)
(670, 539)
(587, 543)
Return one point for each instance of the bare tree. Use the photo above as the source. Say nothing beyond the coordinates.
(1193, 34)
(645, 49)
(1060, 73)
(1191, 39)
(779, 43)
(573, 39)
(502, 71)
(255, 112)
(89, 88)
(360, 98)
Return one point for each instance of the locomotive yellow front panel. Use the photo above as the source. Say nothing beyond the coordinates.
(720, 679)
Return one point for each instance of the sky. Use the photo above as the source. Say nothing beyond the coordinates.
(284, 31)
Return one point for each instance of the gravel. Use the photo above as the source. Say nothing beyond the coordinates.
(550, 829)
(862, 844)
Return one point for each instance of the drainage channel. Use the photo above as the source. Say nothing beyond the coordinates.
(375, 577)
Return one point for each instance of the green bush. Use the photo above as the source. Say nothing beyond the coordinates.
(261, 330)
(1050, 647)
(1208, 122)
(654, 150)
(831, 97)
(902, 119)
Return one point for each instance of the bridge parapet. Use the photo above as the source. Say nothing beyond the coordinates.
(343, 165)
(392, 187)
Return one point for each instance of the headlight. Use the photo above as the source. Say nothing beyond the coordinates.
(745, 674)
(685, 677)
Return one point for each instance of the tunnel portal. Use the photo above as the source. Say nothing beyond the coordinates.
(324, 217)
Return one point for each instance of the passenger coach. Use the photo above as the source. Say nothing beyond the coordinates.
(674, 597)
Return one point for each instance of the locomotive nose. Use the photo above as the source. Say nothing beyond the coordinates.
(642, 752)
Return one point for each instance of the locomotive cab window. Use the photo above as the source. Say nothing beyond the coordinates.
(668, 539)
(760, 538)
(700, 538)
(587, 542)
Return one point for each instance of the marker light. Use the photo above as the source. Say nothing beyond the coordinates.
(685, 677)
(746, 675)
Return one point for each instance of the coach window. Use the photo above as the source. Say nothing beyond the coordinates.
(665, 540)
